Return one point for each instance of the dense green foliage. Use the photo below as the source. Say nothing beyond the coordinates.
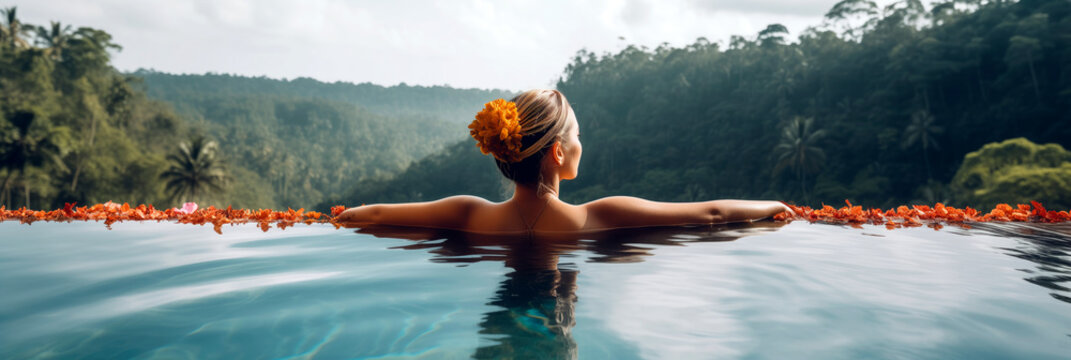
(75, 129)
(71, 127)
(1015, 171)
(900, 95)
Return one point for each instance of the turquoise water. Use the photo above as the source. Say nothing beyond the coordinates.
(162, 290)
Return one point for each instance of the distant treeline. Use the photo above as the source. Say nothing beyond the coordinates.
(877, 105)
(438, 102)
(298, 143)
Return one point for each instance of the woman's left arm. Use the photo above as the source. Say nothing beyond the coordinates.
(624, 211)
(448, 213)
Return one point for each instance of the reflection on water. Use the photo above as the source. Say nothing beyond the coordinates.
(535, 316)
(1046, 245)
(534, 306)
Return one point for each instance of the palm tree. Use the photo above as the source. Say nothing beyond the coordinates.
(845, 11)
(27, 145)
(194, 171)
(55, 39)
(774, 34)
(12, 31)
(797, 150)
(922, 130)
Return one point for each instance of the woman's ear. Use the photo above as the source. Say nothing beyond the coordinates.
(558, 152)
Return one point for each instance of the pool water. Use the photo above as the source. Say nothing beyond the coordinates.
(766, 290)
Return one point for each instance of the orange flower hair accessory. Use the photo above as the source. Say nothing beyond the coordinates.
(497, 130)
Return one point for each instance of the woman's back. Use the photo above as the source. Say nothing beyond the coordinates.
(514, 217)
(535, 140)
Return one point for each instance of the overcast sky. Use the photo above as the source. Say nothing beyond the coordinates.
(462, 43)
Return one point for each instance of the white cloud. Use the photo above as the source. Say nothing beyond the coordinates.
(469, 43)
(797, 7)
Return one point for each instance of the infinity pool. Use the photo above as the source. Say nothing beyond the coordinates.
(768, 290)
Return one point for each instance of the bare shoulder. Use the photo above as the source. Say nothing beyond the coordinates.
(466, 200)
(460, 205)
(617, 203)
(614, 200)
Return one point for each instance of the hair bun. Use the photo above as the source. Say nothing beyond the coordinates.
(497, 130)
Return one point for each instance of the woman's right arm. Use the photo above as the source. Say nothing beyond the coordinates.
(624, 212)
(449, 213)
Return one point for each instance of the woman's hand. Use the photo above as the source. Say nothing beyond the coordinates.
(787, 209)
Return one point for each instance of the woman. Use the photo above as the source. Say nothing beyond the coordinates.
(535, 139)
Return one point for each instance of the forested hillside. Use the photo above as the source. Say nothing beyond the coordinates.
(310, 140)
(877, 105)
(73, 129)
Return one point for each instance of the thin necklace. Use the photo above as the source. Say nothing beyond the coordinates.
(546, 204)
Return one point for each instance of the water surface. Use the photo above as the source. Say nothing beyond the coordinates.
(163, 290)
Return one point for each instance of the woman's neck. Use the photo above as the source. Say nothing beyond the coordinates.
(537, 191)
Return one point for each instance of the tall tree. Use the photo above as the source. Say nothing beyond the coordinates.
(773, 34)
(54, 39)
(29, 143)
(12, 31)
(923, 131)
(853, 17)
(87, 50)
(1022, 49)
(798, 149)
(194, 170)
(908, 12)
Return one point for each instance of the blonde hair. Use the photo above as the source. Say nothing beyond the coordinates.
(544, 116)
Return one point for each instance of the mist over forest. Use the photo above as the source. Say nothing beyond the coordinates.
(949, 102)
